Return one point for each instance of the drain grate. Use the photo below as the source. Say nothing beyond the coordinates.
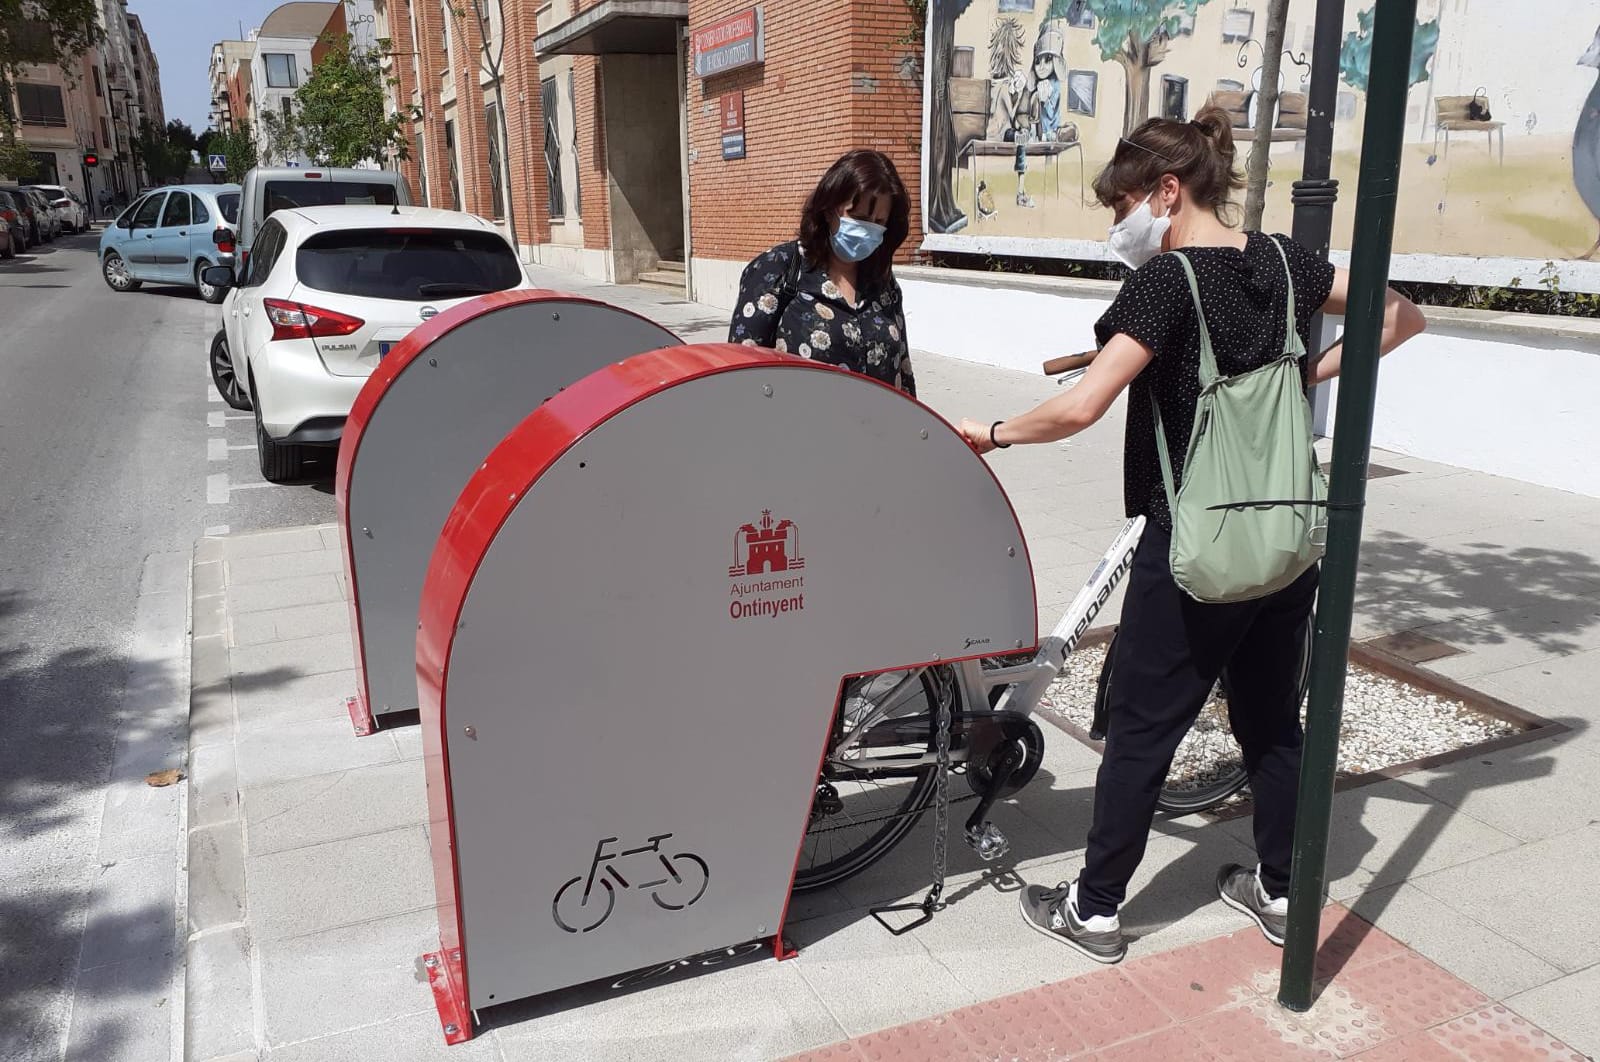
(1414, 647)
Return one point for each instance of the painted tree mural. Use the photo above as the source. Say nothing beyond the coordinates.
(1135, 34)
(943, 214)
(1355, 57)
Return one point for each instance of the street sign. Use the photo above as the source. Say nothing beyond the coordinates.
(733, 125)
(729, 44)
(218, 162)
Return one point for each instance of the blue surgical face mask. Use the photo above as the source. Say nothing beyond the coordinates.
(855, 241)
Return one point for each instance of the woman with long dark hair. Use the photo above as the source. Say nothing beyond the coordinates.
(1207, 307)
(830, 294)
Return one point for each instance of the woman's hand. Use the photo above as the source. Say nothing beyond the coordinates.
(977, 435)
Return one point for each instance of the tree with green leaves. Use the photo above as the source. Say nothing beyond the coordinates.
(44, 32)
(340, 116)
(163, 160)
(1136, 34)
(1355, 57)
(280, 138)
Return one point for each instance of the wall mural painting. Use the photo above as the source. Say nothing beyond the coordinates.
(1028, 98)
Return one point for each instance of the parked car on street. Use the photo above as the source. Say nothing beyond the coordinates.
(71, 211)
(268, 189)
(169, 236)
(328, 292)
(8, 246)
(49, 218)
(27, 215)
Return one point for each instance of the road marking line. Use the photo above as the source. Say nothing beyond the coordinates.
(213, 396)
(216, 530)
(240, 416)
(250, 486)
(217, 488)
(246, 446)
(214, 420)
(216, 449)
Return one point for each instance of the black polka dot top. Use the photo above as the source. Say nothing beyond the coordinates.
(1243, 293)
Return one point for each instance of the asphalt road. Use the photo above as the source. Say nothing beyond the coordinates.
(113, 447)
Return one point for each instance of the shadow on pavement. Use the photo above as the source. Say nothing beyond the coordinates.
(1407, 583)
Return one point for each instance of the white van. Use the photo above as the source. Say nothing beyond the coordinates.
(267, 189)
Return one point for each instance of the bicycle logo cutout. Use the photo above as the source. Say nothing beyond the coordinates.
(581, 912)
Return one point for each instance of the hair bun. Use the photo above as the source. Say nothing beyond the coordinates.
(1217, 127)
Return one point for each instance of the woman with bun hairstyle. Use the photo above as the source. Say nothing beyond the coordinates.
(1169, 185)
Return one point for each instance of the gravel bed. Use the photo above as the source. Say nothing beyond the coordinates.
(1386, 722)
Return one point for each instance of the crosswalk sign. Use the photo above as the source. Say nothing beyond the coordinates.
(218, 162)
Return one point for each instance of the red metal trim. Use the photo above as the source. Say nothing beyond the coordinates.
(361, 715)
(449, 994)
(487, 502)
(409, 349)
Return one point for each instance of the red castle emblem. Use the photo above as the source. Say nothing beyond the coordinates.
(769, 548)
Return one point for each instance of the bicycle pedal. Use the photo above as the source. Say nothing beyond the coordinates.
(987, 841)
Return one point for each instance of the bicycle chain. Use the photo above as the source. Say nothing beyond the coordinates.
(941, 811)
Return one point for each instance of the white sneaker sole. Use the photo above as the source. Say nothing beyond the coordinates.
(1254, 917)
(1061, 938)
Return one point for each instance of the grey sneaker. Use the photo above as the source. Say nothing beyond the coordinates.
(1240, 888)
(1054, 912)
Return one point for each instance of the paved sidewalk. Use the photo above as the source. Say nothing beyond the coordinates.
(310, 890)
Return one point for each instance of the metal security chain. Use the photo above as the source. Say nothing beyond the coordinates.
(941, 812)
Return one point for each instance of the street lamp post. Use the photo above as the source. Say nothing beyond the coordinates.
(1315, 192)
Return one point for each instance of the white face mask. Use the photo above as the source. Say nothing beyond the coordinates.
(1137, 238)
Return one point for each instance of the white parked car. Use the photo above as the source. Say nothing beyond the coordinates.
(70, 212)
(328, 291)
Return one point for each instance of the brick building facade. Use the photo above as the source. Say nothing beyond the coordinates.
(612, 163)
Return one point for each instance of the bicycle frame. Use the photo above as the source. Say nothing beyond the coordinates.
(1024, 683)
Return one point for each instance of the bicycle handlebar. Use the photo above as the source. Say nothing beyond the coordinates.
(1069, 363)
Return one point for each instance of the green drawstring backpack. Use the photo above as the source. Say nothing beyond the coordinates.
(1251, 515)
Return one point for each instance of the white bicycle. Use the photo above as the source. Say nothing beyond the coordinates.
(881, 770)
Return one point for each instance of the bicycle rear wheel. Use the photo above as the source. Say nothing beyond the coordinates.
(859, 814)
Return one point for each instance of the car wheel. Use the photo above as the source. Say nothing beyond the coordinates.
(223, 374)
(115, 270)
(209, 292)
(11, 247)
(280, 462)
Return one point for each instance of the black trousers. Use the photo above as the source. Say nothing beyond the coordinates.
(1169, 651)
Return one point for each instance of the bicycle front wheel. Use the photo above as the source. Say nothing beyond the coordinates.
(859, 813)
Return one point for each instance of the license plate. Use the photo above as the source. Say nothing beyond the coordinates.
(384, 346)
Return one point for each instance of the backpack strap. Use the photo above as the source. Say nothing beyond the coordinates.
(1208, 376)
(1291, 335)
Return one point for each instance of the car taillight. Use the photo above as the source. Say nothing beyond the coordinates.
(9, 215)
(294, 320)
(225, 245)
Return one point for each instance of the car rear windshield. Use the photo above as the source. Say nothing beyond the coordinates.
(228, 203)
(303, 193)
(409, 264)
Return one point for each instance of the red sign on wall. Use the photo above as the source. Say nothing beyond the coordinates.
(734, 42)
(733, 125)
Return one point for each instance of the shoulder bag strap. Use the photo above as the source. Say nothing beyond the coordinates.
(1291, 335)
(1208, 376)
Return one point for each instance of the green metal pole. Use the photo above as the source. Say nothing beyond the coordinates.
(1381, 144)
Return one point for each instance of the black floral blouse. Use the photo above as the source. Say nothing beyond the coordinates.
(868, 338)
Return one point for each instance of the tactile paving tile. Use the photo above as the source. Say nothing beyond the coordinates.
(1105, 1007)
(934, 1040)
(1195, 980)
(1343, 1023)
(1256, 1032)
(1495, 1034)
(1408, 993)
(1417, 1047)
(1346, 941)
(1022, 1026)
(1176, 1044)
(841, 1052)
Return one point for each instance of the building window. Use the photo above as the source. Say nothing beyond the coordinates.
(491, 128)
(577, 171)
(450, 150)
(1174, 98)
(444, 38)
(549, 101)
(41, 104)
(1237, 25)
(280, 70)
(1082, 87)
(286, 105)
(99, 89)
(105, 132)
(1016, 5)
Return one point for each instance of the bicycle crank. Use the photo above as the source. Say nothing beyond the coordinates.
(1005, 757)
